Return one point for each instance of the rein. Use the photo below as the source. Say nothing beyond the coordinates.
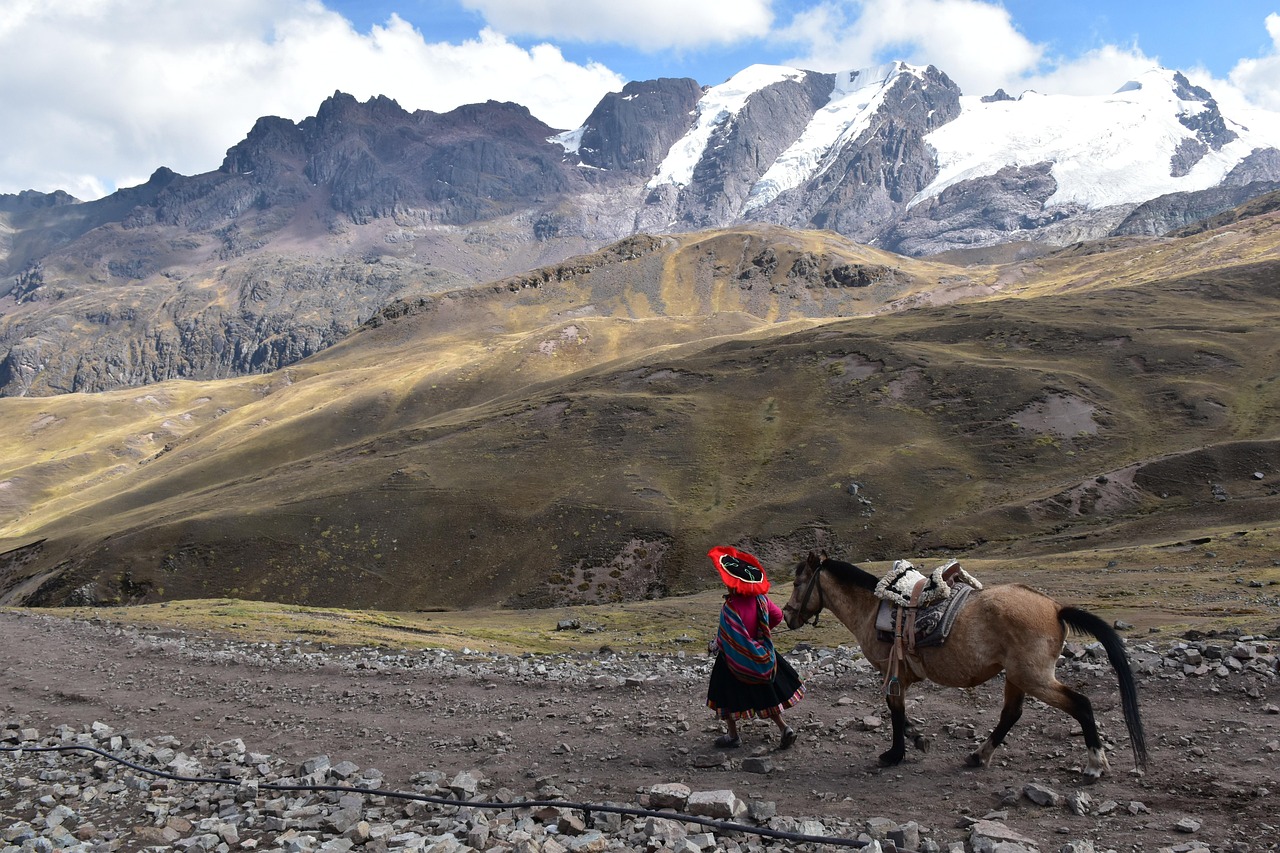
(808, 592)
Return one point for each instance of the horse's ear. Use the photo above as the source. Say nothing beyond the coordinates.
(813, 560)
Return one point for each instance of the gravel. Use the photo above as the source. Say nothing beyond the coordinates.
(507, 748)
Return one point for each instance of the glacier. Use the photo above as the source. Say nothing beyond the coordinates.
(1105, 149)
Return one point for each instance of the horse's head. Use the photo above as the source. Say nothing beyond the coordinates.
(806, 594)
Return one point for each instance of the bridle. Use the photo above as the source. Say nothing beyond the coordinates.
(808, 592)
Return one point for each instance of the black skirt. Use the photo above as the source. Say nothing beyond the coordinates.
(734, 699)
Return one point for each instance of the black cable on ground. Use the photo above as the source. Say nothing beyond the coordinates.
(585, 808)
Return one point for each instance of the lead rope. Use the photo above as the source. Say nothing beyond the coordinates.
(808, 593)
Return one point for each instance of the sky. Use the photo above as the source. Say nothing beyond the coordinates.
(97, 94)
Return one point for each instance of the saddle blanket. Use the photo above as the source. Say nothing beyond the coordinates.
(938, 601)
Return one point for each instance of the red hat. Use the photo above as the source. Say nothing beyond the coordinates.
(740, 571)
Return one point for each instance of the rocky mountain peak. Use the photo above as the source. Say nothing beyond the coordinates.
(742, 128)
(863, 157)
(270, 139)
(34, 200)
(340, 107)
(502, 119)
(1185, 90)
(633, 130)
(1206, 122)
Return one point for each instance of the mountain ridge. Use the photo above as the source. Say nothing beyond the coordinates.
(579, 434)
(383, 203)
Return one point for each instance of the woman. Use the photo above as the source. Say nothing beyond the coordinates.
(749, 679)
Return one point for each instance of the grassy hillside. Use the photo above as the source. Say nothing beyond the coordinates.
(583, 433)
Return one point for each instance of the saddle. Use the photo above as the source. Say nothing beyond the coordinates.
(918, 611)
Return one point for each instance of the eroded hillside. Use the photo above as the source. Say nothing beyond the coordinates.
(583, 432)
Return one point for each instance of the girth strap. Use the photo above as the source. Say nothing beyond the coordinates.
(904, 639)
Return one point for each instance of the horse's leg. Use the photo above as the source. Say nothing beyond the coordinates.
(1076, 704)
(1014, 697)
(897, 703)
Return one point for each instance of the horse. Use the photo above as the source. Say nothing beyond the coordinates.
(1006, 627)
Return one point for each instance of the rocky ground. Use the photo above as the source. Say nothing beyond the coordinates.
(629, 730)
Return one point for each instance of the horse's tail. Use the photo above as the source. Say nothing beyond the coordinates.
(1083, 621)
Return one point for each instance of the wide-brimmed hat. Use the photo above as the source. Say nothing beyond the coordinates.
(740, 571)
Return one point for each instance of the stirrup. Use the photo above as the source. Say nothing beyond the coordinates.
(892, 686)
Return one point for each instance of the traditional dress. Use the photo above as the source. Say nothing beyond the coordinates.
(728, 695)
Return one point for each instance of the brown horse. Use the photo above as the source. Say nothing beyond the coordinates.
(1009, 628)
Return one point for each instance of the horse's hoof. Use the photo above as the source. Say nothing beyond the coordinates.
(922, 743)
(892, 758)
(1091, 776)
(975, 760)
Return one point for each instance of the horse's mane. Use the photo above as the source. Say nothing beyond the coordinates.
(851, 574)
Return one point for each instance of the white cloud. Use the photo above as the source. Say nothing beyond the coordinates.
(1251, 84)
(973, 42)
(1099, 71)
(1259, 79)
(98, 93)
(645, 24)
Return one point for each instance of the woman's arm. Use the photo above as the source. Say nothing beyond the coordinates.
(775, 613)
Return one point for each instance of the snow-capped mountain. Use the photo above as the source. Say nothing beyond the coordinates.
(856, 99)
(1154, 135)
(718, 108)
(888, 155)
(304, 224)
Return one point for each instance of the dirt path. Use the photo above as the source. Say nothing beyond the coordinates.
(604, 727)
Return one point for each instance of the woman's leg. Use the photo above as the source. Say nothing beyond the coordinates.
(788, 733)
(730, 739)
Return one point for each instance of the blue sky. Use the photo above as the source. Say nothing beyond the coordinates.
(99, 94)
(1176, 32)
